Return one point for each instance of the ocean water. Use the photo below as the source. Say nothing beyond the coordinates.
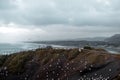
(8, 48)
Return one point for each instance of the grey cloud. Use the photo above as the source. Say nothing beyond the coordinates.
(58, 19)
(68, 12)
(6, 5)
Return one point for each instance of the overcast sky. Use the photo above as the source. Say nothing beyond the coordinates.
(58, 19)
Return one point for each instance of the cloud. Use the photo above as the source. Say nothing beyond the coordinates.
(58, 19)
(13, 32)
(68, 12)
(6, 5)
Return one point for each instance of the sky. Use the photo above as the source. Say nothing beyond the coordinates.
(37, 20)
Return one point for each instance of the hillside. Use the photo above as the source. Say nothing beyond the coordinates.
(114, 39)
(60, 64)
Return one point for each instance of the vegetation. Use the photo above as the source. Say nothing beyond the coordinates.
(88, 47)
(66, 63)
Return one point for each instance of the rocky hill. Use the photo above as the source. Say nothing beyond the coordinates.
(60, 64)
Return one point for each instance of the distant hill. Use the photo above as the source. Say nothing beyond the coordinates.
(112, 42)
(92, 39)
(114, 39)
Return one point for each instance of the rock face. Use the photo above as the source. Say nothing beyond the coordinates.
(60, 64)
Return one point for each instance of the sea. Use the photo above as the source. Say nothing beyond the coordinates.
(9, 48)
